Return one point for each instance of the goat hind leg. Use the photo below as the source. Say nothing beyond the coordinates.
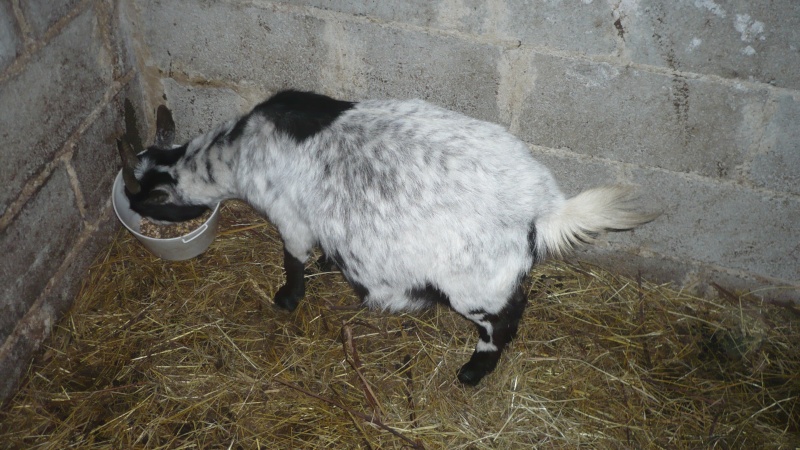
(495, 331)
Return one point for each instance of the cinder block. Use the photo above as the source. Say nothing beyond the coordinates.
(121, 31)
(586, 27)
(777, 166)
(737, 39)
(198, 109)
(10, 40)
(722, 224)
(386, 62)
(42, 14)
(623, 114)
(575, 174)
(414, 12)
(50, 98)
(234, 43)
(34, 246)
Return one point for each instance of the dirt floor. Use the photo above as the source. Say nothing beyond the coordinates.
(158, 354)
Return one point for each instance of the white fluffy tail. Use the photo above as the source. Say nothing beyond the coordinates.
(581, 218)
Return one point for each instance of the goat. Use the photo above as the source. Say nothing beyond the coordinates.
(415, 204)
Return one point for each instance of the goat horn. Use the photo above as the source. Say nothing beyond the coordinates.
(129, 162)
(131, 128)
(165, 128)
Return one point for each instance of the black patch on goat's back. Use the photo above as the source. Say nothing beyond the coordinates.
(298, 114)
(429, 294)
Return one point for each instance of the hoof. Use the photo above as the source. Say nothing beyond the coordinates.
(469, 376)
(287, 298)
(478, 366)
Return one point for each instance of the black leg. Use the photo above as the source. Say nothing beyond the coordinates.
(290, 294)
(495, 332)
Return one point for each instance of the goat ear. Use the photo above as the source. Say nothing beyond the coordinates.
(165, 128)
(129, 162)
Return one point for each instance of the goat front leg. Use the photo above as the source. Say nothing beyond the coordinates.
(298, 241)
(290, 294)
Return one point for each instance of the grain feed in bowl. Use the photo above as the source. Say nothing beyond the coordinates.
(172, 230)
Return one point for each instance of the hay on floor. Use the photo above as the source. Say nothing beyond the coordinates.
(193, 354)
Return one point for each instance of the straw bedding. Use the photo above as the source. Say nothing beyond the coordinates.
(192, 354)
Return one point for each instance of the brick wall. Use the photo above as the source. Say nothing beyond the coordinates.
(64, 70)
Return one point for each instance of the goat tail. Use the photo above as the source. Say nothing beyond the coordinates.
(581, 218)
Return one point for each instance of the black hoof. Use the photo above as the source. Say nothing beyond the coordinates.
(470, 377)
(288, 298)
(480, 365)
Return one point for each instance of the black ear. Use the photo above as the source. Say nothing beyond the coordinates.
(165, 128)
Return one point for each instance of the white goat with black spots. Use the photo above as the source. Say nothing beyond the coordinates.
(415, 204)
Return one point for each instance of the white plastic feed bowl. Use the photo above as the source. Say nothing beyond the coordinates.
(174, 249)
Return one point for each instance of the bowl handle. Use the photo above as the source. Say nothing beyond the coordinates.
(194, 234)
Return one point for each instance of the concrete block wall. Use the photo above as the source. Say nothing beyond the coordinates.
(696, 101)
(65, 68)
